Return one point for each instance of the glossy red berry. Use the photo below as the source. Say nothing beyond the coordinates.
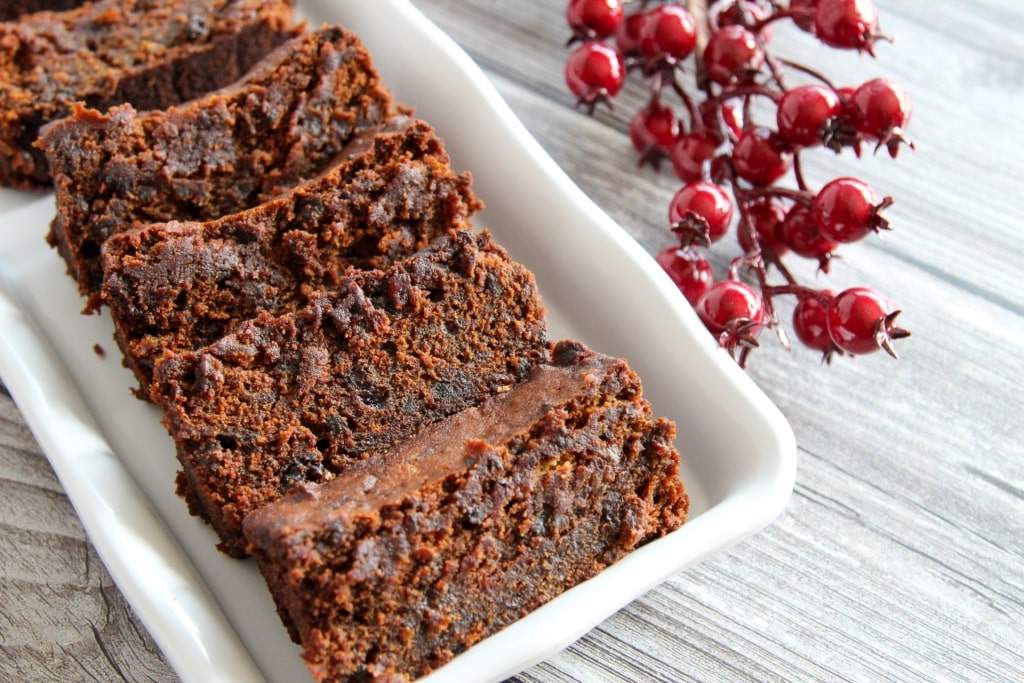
(590, 19)
(881, 111)
(860, 320)
(847, 24)
(698, 206)
(731, 304)
(594, 73)
(800, 234)
(691, 154)
(627, 35)
(845, 210)
(731, 112)
(761, 156)
(732, 55)
(767, 217)
(653, 131)
(805, 113)
(721, 119)
(668, 31)
(845, 93)
(810, 321)
(689, 269)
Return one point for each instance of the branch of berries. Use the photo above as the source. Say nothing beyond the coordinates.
(731, 164)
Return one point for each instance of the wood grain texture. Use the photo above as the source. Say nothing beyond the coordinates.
(901, 554)
(61, 616)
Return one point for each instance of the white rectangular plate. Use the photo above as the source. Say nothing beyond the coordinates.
(212, 616)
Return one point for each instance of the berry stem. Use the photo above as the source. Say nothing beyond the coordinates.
(808, 71)
(773, 63)
(774, 259)
(796, 290)
(802, 196)
(696, 120)
(788, 13)
(747, 91)
(798, 173)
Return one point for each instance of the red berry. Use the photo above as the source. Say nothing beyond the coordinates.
(860, 320)
(627, 35)
(594, 73)
(715, 113)
(669, 31)
(732, 116)
(810, 321)
(691, 153)
(845, 93)
(804, 114)
(805, 20)
(800, 233)
(882, 109)
(761, 156)
(653, 131)
(590, 19)
(731, 304)
(689, 269)
(698, 204)
(732, 55)
(847, 24)
(845, 210)
(767, 217)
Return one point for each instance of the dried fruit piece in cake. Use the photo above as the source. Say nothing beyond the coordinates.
(282, 124)
(181, 285)
(299, 397)
(149, 53)
(402, 562)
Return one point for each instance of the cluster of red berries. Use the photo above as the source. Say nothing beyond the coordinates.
(731, 164)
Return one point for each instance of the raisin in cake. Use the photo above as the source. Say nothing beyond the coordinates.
(299, 397)
(178, 286)
(404, 561)
(150, 53)
(233, 149)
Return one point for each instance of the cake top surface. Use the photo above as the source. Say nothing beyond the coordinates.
(324, 181)
(321, 50)
(445, 447)
(121, 34)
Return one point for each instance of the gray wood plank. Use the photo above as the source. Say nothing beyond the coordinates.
(61, 616)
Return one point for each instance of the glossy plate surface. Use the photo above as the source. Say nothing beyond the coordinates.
(211, 615)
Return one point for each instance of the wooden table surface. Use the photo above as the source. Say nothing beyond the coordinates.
(901, 553)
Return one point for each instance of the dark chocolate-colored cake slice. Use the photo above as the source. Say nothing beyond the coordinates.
(404, 561)
(179, 286)
(149, 53)
(231, 150)
(300, 397)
